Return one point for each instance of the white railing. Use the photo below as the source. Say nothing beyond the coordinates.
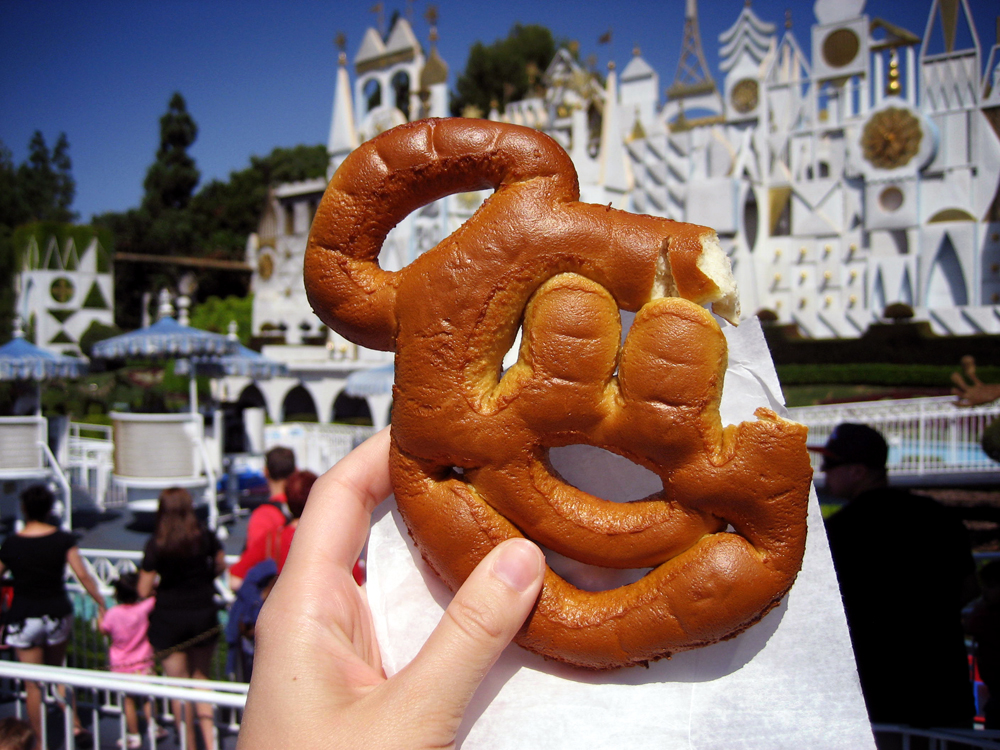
(941, 739)
(104, 692)
(87, 645)
(317, 447)
(926, 436)
(90, 460)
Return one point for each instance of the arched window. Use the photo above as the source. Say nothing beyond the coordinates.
(299, 406)
(595, 122)
(351, 410)
(373, 95)
(401, 93)
(251, 398)
(751, 217)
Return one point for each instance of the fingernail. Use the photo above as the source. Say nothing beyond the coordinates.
(517, 564)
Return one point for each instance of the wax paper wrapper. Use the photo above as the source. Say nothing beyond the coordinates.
(787, 682)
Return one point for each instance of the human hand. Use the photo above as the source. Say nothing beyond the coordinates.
(318, 678)
(975, 391)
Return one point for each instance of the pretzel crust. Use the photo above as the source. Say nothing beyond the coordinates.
(469, 454)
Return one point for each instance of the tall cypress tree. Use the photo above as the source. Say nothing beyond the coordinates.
(163, 224)
(172, 178)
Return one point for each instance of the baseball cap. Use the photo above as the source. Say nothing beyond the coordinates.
(851, 443)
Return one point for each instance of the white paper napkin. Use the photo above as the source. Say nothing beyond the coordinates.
(787, 682)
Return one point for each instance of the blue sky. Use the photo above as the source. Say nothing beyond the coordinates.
(259, 73)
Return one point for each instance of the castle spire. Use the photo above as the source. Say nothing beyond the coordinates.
(614, 174)
(343, 135)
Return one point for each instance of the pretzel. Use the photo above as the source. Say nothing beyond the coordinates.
(469, 449)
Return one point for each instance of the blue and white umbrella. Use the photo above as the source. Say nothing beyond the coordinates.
(243, 362)
(22, 360)
(167, 339)
(374, 382)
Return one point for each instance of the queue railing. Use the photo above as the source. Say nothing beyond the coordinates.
(926, 436)
(89, 686)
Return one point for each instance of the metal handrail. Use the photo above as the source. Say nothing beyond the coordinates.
(60, 477)
(926, 436)
(945, 737)
(225, 695)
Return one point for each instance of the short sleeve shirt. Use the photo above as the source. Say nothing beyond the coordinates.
(38, 564)
(186, 582)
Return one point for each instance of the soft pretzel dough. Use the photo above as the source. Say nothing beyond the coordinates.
(469, 456)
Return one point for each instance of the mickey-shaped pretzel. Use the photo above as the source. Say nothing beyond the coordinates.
(469, 455)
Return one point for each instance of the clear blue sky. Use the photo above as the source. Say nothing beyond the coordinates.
(259, 73)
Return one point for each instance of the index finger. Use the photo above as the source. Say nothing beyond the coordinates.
(334, 524)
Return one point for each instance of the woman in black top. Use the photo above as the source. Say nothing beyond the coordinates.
(41, 615)
(185, 557)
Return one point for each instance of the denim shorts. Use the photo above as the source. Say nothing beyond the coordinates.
(38, 631)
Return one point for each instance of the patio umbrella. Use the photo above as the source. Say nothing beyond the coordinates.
(242, 361)
(167, 339)
(375, 386)
(22, 360)
(374, 382)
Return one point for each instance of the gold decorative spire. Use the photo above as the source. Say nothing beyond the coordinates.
(892, 85)
(340, 41)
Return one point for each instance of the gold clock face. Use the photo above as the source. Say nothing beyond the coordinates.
(840, 47)
(891, 138)
(265, 266)
(744, 95)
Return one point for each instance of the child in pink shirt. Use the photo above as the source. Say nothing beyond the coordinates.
(130, 651)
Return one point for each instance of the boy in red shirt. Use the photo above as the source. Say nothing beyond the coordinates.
(268, 519)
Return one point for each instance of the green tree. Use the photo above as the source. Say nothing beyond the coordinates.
(45, 180)
(172, 178)
(501, 72)
(163, 224)
(226, 212)
(215, 314)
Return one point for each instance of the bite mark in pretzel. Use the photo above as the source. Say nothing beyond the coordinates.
(535, 258)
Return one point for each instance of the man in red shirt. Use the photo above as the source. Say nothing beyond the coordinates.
(267, 519)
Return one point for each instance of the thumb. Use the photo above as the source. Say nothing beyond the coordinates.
(483, 617)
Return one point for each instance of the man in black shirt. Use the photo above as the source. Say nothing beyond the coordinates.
(904, 563)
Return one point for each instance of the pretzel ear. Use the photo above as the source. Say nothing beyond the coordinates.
(387, 178)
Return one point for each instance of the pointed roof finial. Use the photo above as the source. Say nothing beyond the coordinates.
(340, 41)
(788, 18)
(379, 10)
(636, 51)
(892, 85)
(18, 331)
(166, 308)
(611, 64)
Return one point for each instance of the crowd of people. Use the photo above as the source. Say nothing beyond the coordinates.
(167, 613)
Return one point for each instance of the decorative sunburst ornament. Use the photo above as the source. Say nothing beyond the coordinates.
(744, 95)
(891, 138)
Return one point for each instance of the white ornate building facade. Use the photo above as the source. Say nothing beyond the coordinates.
(853, 168)
(63, 287)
